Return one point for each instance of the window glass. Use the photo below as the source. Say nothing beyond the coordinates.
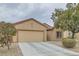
(58, 34)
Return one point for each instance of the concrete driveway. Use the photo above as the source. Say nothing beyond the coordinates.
(44, 49)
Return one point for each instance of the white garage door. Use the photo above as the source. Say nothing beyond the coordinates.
(29, 36)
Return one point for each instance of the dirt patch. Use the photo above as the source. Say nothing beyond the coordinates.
(13, 51)
(59, 43)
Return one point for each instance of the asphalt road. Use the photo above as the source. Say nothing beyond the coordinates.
(44, 49)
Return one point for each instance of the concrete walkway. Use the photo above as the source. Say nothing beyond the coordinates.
(44, 49)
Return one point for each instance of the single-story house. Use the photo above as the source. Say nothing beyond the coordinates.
(31, 30)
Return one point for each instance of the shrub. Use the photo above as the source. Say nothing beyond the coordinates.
(69, 43)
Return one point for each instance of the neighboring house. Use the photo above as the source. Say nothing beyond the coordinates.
(69, 34)
(31, 30)
(66, 34)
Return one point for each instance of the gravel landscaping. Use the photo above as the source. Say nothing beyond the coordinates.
(13, 51)
(59, 43)
(52, 48)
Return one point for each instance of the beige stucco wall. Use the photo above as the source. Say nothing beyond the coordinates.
(65, 34)
(52, 34)
(77, 36)
(15, 38)
(30, 25)
(45, 35)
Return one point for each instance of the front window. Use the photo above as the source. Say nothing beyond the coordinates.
(58, 34)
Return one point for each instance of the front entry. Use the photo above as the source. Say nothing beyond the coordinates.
(58, 35)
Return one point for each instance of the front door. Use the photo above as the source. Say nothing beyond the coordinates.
(58, 35)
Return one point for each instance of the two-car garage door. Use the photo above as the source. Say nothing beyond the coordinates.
(29, 36)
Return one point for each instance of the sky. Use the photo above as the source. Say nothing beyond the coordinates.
(14, 12)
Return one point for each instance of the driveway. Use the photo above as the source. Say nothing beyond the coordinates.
(44, 49)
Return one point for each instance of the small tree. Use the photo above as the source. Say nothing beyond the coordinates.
(7, 30)
(67, 19)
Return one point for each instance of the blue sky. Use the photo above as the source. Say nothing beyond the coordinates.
(14, 12)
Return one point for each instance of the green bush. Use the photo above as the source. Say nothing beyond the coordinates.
(69, 43)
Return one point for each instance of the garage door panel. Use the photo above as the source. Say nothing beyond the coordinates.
(29, 36)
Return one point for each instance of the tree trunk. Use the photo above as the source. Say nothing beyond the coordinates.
(73, 34)
(8, 45)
